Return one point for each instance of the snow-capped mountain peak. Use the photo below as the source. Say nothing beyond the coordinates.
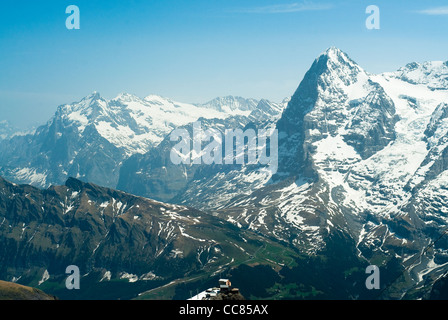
(126, 97)
(232, 104)
(154, 98)
(94, 95)
(81, 113)
(129, 122)
(433, 74)
(89, 139)
(359, 154)
(336, 60)
(6, 130)
(335, 54)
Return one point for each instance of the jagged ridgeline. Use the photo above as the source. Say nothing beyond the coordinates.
(119, 241)
(362, 174)
(91, 138)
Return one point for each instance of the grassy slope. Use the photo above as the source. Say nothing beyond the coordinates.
(14, 291)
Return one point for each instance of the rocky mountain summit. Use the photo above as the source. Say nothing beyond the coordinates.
(90, 139)
(362, 172)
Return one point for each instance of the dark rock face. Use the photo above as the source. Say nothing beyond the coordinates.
(228, 296)
(372, 127)
(56, 152)
(439, 290)
(363, 163)
(97, 228)
(436, 136)
(91, 139)
(155, 176)
(322, 104)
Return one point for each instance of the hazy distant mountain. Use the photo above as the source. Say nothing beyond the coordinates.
(91, 138)
(362, 174)
(6, 130)
(359, 153)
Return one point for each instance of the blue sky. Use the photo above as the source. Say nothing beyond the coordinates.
(195, 50)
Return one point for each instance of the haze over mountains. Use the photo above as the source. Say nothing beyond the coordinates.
(5, 130)
(91, 138)
(362, 169)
